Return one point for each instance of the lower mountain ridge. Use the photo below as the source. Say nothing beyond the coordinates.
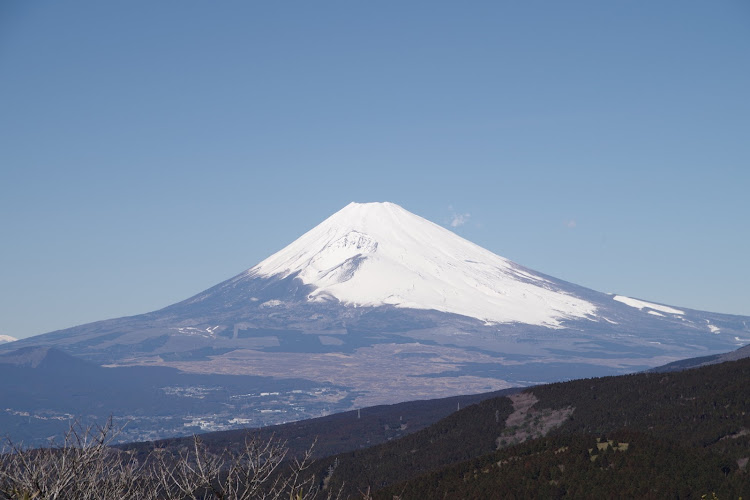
(648, 435)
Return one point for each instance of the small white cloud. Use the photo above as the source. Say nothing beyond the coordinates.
(457, 220)
(571, 223)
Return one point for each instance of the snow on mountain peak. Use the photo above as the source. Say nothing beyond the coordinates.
(374, 254)
(7, 338)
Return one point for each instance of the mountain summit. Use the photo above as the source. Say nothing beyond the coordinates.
(375, 254)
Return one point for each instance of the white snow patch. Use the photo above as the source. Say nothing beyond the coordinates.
(656, 314)
(373, 254)
(7, 338)
(190, 330)
(271, 303)
(330, 340)
(713, 328)
(640, 304)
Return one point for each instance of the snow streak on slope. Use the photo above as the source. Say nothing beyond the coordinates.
(7, 338)
(640, 304)
(375, 254)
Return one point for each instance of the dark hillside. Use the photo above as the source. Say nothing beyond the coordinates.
(688, 434)
(626, 465)
(463, 435)
(699, 407)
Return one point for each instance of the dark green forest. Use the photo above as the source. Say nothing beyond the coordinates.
(687, 435)
(632, 465)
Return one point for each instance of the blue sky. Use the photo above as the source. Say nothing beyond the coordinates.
(149, 150)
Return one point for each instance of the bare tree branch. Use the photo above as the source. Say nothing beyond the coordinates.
(85, 467)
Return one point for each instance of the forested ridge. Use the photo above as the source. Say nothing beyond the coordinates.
(648, 435)
(632, 465)
(702, 407)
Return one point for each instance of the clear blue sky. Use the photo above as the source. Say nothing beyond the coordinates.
(151, 149)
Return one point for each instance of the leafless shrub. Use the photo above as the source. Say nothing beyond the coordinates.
(257, 471)
(82, 467)
(85, 467)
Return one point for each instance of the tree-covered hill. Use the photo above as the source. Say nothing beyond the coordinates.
(628, 465)
(459, 437)
(687, 434)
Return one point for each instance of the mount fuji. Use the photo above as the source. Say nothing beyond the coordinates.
(381, 305)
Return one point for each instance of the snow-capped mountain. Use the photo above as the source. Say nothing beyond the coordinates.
(381, 306)
(4, 339)
(378, 254)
